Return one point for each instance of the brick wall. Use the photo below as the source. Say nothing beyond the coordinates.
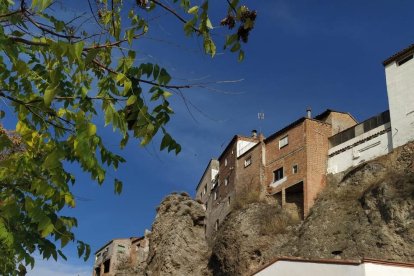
(317, 146)
(292, 154)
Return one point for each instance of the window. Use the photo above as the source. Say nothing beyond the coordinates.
(278, 174)
(205, 190)
(228, 201)
(226, 181)
(121, 248)
(107, 265)
(225, 162)
(247, 161)
(295, 169)
(283, 142)
(215, 196)
(216, 225)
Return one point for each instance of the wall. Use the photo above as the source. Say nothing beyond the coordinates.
(206, 181)
(111, 252)
(340, 121)
(400, 90)
(296, 268)
(292, 154)
(365, 147)
(352, 268)
(244, 146)
(249, 178)
(317, 146)
(387, 270)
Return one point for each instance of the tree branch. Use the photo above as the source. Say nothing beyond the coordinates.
(113, 44)
(28, 42)
(175, 14)
(110, 70)
(49, 31)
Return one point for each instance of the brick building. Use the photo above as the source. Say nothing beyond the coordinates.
(296, 159)
(289, 166)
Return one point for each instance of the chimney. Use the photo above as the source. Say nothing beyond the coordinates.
(254, 133)
(309, 113)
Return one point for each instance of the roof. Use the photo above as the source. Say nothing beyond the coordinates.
(318, 117)
(329, 111)
(234, 139)
(286, 128)
(118, 239)
(398, 55)
(336, 261)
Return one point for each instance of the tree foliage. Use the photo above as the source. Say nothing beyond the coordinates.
(58, 79)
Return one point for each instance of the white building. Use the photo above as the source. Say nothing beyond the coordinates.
(380, 134)
(329, 267)
(399, 72)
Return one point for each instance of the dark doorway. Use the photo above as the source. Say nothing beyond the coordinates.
(294, 199)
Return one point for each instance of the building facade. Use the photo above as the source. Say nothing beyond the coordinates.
(290, 166)
(120, 253)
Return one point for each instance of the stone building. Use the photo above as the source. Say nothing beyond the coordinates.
(119, 253)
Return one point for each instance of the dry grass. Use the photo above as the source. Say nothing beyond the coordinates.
(245, 197)
(275, 221)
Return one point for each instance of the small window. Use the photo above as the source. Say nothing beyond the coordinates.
(215, 196)
(121, 248)
(226, 181)
(405, 59)
(228, 201)
(225, 162)
(283, 142)
(216, 225)
(295, 169)
(205, 190)
(107, 265)
(278, 174)
(248, 161)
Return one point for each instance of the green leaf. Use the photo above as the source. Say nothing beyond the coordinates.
(52, 160)
(193, 10)
(91, 129)
(164, 77)
(50, 93)
(241, 55)
(209, 46)
(208, 23)
(131, 100)
(118, 186)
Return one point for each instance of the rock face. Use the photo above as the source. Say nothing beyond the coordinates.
(369, 213)
(365, 212)
(244, 240)
(177, 243)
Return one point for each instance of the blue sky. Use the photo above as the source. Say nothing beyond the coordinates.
(322, 54)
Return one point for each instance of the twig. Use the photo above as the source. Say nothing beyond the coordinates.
(68, 37)
(175, 14)
(231, 6)
(110, 70)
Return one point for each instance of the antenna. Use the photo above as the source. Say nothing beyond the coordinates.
(261, 117)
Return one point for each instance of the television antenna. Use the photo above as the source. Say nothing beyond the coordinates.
(261, 117)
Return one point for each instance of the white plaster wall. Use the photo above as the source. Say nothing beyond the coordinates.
(369, 150)
(400, 90)
(387, 270)
(292, 268)
(244, 146)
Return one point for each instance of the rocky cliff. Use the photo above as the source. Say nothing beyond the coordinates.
(365, 212)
